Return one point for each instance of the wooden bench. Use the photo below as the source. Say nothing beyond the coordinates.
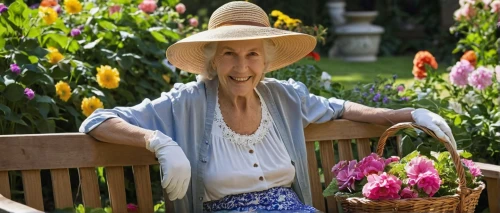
(59, 152)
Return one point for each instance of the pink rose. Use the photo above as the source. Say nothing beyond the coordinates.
(495, 6)
(391, 159)
(408, 193)
(418, 166)
(148, 6)
(481, 78)
(474, 170)
(372, 164)
(114, 9)
(180, 8)
(429, 182)
(497, 70)
(382, 187)
(132, 207)
(193, 22)
(460, 72)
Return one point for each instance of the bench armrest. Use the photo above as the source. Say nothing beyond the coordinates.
(11, 206)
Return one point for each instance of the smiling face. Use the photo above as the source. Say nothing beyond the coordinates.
(240, 66)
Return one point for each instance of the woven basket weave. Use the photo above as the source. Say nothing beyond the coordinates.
(464, 201)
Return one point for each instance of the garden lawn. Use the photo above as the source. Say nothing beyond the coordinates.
(350, 73)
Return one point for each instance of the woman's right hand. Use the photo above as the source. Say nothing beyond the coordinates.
(176, 168)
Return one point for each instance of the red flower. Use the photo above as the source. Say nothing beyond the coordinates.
(424, 57)
(419, 72)
(313, 55)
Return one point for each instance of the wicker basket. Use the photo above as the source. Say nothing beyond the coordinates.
(464, 201)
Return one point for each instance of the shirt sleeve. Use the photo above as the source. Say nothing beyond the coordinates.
(317, 109)
(149, 114)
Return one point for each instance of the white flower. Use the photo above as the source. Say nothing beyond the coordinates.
(168, 65)
(455, 106)
(472, 98)
(326, 80)
(420, 94)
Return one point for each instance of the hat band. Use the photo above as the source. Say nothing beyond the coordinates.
(251, 23)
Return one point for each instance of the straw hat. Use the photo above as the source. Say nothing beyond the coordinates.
(240, 20)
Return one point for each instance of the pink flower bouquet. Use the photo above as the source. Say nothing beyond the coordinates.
(414, 176)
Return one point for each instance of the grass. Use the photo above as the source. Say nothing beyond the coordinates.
(350, 73)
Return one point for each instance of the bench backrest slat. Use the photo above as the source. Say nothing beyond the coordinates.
(345, 150)
(116, 188)
(142, 182)
(32, 184)
(90, 187)
(363, 145)
(314, 179)
(4, 184)
(62, 188)
(326, 151)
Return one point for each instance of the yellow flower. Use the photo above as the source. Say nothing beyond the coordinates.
(72, 6)
(283, 17)
(278, 23)
(108, 77)
(48, 14)
(89, 105)
(166, 78)
(276, 13)
(63, 90)
(54, 55)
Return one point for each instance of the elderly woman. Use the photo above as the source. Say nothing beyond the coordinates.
(233, 140)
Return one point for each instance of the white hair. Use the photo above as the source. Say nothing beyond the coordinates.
(210, 49)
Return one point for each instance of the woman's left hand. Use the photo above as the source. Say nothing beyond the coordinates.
(435, 123)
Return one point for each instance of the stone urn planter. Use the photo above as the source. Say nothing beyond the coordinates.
(336, 11)
(358, 40)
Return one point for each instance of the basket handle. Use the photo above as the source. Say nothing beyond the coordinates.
(454, 154)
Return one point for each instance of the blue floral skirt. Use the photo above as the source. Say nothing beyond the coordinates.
(277, 199)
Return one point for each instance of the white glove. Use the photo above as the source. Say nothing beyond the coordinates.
(435, 123)
(174, 163)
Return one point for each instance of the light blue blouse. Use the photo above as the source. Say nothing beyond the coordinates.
(186, 114)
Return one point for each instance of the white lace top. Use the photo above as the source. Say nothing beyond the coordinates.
(246, 163)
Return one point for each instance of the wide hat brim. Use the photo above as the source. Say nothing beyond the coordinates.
(188, 54)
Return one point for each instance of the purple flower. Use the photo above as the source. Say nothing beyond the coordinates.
(388, 86)
(29, 93)
(405, 99)
(3, 8)
(348, 175)
(75, 32)
(481, 78)
(376, 98)
(356, 89)
(35, 6)
(372, 89)
(401, 88)
(394, 77)
(15, 69)
(385, 100)
(365, 94)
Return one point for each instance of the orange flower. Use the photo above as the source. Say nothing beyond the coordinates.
(48, 3)
(419, 72)
(424, 57)
(470, 56)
